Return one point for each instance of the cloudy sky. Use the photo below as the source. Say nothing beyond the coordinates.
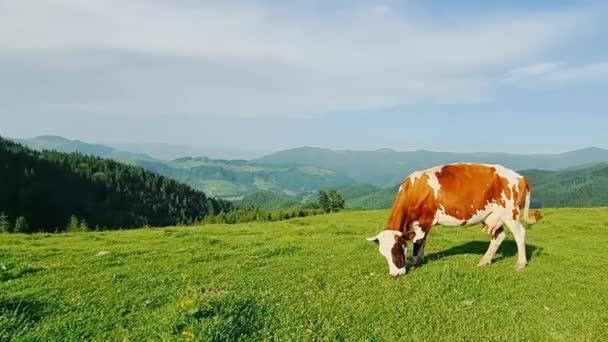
(268, 75)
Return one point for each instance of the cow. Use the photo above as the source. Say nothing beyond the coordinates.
(455, 195)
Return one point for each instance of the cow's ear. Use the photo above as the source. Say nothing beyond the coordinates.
(409, 235)
(372, 239)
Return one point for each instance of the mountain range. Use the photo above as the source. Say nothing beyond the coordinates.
(387, 167)
(230, 179)
(367, 179)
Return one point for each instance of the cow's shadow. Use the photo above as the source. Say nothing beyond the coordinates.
(508, 249)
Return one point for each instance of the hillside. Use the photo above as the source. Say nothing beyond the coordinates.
(582, 187)
(270, 200)
(216, 177)
(239, 177)
(47, 188)
(61, 144)
(388, 167)
(381, 198)
(312, 279)
(577, 187)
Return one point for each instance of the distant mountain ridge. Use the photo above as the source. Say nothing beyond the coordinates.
(61, 144)
(216, 177)
(388, 167)
(173, 151)
(298, 173)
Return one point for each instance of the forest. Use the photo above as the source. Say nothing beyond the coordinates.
(44, 191)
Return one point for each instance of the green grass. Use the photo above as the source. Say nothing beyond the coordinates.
(220, 188)
(305, 279)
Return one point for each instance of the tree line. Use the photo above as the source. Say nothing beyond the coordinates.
(48, 190)
(329, 201)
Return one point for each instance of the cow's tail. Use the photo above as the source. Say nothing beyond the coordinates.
(527, 205)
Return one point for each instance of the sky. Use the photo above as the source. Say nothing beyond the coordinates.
(466, 76)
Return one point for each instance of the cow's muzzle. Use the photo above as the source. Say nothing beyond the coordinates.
(398, 272)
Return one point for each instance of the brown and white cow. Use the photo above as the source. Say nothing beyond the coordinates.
(460, 194)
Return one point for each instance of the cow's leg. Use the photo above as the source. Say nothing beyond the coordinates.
(497, 238)
(418, 252)
(519, 234)
(419, 240)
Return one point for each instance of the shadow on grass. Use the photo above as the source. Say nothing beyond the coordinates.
(17, 316)
(507, 249)
(11, 273)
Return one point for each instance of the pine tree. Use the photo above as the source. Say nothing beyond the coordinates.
(73, 224)
(324, 201)
(84, 227)
(21, 225)
(336, 200)
(5, 224)
(331, 200)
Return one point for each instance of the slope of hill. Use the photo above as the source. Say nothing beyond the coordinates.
(358, 190)
(270, 200)
(61, 144)
(388, 167)
(583, 187)
(579, 187)
(312, 279)
(216, 177)
(47, 187)
(381, 199)
(239, 177)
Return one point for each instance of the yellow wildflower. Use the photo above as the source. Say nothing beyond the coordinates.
(186, 304)
(187, 334)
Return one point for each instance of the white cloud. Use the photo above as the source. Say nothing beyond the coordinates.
(531, 71)
(558, 73)
(252, 58)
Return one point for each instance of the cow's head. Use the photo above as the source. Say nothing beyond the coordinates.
(393, 246)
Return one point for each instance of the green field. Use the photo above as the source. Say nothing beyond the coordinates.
(305, 279)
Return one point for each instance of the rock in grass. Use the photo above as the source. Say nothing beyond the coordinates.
(102, 253)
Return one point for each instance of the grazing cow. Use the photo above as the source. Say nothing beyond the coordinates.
(459, 195)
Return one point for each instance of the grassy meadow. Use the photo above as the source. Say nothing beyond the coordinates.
(309, 279)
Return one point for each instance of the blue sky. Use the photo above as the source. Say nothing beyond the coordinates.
(269, 75)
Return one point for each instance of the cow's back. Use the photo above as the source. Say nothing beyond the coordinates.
(468, 189)
(458, 194)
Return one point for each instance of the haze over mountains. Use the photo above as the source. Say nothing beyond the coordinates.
(387, 167)
(367, 178)
(173, 151)
(216, 177)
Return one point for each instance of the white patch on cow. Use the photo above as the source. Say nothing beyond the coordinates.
(419, 232)
(504, 198)
(414, 177)
(386, 241)
(434, 183)
(479, 216)
(512, 176)
(447, 220)
(400, 187)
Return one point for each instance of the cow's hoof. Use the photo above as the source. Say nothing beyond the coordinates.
(483, 262)
(520, 266)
